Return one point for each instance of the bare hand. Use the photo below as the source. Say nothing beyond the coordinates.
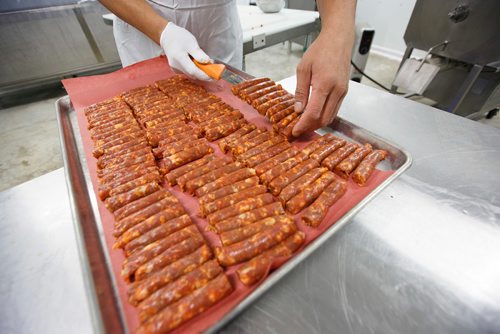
(324, 67)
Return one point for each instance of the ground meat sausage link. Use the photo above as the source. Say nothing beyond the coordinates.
(280, 182)
(141, 290)
(230, 237)
(316, 212)
(255, 245)
(249, 217)
(245, 84)
(182, 287)
(232, 199)
(296, 186)
(240, 207)
(115, 202)
(309, 193)
(188, 307)
(225, 180)
(228, 190)
(336, 157)
(140, 258)
(252, 271)
(281, 168)
(173, 175)
(346, 166)
(365, 169)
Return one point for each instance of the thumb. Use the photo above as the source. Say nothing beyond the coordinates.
(303, 86)
(199, 55)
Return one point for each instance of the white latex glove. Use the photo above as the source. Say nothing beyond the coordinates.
(178, 44)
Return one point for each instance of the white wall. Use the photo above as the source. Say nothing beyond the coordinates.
(389, 18)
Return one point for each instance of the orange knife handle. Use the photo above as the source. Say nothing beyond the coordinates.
(212, 70)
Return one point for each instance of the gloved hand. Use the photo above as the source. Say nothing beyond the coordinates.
(178, 44)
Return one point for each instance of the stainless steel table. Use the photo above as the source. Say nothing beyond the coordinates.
(261, 30)
(423, 257)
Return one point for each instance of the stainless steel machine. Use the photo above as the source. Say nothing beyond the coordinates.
(42, 42)
(464, 36)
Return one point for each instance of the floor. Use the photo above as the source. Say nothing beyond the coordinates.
(29, 138)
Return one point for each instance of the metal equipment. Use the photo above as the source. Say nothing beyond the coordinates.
(43, 42)
(361, 49)
(468, 83)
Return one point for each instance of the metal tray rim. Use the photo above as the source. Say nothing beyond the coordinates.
(272, 279)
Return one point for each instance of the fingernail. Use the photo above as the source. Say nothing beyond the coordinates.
(298, 106)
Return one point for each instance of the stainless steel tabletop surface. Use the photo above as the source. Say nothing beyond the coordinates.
(423, 257)
(41, 284)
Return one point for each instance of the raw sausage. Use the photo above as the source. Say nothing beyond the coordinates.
(365, 169)
(296, 186)
(230, 237)
(278, 183)
(228, 190)
(255, 269)
(253, 246)
(245, 84)
(266, 165)
(240, 207)
(346, 166)
(261, 92)
(262, 147)
(309, 193)
(183, 241)
(213, 175)
(184, 286)
(186, 156)
(223, 130)
(316, 212)
(264, 107)
(235, 135)
(281, 168)
(273, 209)
(336, 157)
(142, 214)
(115, 202)
(288, 130)
(141, 290)
(232, 199)
(168, 256)
(285, 104)
(267, 154)
(327, 149)
(225, 180)
(140, 204)
(172, 176)
(166, 216)
(157, 233)
(244, 93)
(147, 178)
(246, 145)
(204, 169)
(186, 308)
(317, 143)
(263, 99)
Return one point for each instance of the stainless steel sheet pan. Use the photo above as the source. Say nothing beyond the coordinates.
(101, 286)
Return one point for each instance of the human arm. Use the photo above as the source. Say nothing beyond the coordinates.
(177, 42)
(324, 69)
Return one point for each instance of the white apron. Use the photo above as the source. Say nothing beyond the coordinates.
(214, 23)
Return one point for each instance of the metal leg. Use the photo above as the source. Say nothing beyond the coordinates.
(465, 88)
(406, 55)
(243, 64)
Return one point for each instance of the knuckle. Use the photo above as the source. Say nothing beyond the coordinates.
(300, 92)
(342, 88)
(301, 68)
